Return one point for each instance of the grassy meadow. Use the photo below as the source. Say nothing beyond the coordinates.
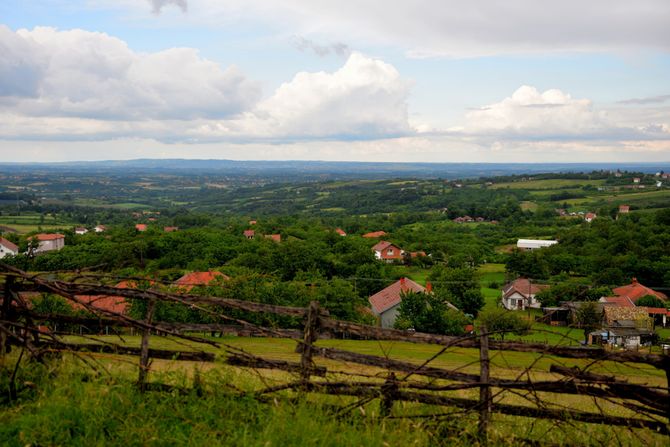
(92, 401)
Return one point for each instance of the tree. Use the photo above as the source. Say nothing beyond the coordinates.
(650, 301)
(500, 322)
(426, 312)
(588, 318)
(459, 286)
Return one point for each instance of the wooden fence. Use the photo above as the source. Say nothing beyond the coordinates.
(648, 406)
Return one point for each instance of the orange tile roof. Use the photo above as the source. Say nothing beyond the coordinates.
(190, 280)
(170, 229)
(115, 304)
(47, 237)
(340, 231)
(390, 296)
(141, 227)
(375, 234)
(635, 291)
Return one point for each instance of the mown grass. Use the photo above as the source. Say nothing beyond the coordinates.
(71, 403)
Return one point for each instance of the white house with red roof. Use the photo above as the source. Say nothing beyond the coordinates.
(80, 231)
(48, 242)
(386, 303)
(520, 294)
(386, 251)
(8, 248)
(100, 229)
(590, 216)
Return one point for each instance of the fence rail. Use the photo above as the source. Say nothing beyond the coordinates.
(649, 406)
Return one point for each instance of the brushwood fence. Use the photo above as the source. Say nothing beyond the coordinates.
(647, 407)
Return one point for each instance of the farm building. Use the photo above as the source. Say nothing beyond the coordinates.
(533, 244)
(80, 231)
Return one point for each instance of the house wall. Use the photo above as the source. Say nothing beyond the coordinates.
(510, 302)
(387, 319)
(4, 251)
(55, 244)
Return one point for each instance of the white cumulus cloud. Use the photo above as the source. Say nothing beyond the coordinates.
(93, 75)
(531, 113)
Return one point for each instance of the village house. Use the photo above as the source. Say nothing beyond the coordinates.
(520, 294)
(141, 227)
(386, 251)
(340, 231)
(636, 180)
(590, 216)
(194, 279)
(8, 248)
(48, 242)
(249, 234)
(375, 234)
(533, 244)
(252, 222)
(624, 209)
(274, 237)
(634, 291)
(100, 229)
(385, 304)
(170, 229)
(80, 231)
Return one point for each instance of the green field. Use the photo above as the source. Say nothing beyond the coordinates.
(548, 184)
(30, 222)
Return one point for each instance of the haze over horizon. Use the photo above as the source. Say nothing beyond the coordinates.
(428, 81)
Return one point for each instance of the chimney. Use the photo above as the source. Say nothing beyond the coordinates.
(402, 282)
(634, 280)
(429, 287)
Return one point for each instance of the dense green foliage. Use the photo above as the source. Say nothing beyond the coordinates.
(500, 322)
(427, 312)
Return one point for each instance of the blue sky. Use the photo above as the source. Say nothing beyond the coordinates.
(523, 80)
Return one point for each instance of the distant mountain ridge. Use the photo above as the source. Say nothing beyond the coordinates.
(338, 168)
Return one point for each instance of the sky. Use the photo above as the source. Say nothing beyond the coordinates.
(364, 80)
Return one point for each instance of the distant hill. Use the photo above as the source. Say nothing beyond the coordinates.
(343, 169)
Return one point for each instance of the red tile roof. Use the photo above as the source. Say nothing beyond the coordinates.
(115, 304)
(340, 231)
(390, 296)
(47, 237)
(249, 233)
(274, 237)
(190, 280)
(8, 244)
(624, 208)
(170, 229)
(141, 227)
(635, 291)
(620, 301)
(383, 246)
(375, 234)
(523, 286)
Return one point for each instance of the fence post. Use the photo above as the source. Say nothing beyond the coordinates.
(310, 335)
(144, 347)
(484, 389)
(389, 393)
(5, 314)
